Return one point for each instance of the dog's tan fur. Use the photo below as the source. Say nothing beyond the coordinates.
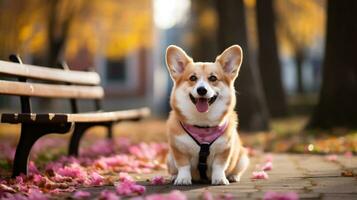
(227, 159)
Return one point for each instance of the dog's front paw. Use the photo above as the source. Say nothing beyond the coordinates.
(183, 180)
(173, 178)
(220, 180)
(234, 178)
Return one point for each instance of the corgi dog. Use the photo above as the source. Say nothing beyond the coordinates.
(202, 126)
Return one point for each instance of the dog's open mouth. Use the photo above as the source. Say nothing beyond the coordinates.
(202, 104)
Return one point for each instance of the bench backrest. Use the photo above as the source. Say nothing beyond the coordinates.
(59, 83)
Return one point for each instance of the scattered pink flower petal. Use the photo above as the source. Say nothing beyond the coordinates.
(207, 195)
(123, 176)
(95, 179)
(108, 195)
(68, 173)
(268, 158)
(267, 166)
(16, 196)
(280, 196)
(332, 157)
(35, 194)
(173, 195)
(81, 195)
(176, 195)
(260, 175)
(38, 179)
(32, 168)
(348, 154)
(73, 171)
(127, 188)
(158, 180)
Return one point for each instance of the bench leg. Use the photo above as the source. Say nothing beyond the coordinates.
(109, 127)
(79, 129)
(30, 133)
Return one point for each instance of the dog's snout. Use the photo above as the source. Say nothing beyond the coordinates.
(201, 91)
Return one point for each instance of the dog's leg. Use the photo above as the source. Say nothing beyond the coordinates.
(219, 166)
(183, 167)
(241, 166)
(171, 167)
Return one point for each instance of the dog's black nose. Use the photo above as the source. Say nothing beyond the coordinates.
(201, 91)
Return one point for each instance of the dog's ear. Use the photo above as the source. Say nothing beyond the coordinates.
(176, 60)
(231, 60)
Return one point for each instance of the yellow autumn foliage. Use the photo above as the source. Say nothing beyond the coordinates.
(111, 27)
(299, 23)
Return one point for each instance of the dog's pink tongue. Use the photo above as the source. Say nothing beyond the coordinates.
(202, 105)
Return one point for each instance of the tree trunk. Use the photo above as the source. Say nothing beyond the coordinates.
(269, 64)
(338, 95)
(251, 106)
(299, 59)
(204, 45)
(58, 30)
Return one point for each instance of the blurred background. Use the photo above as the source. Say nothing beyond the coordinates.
(298, 67)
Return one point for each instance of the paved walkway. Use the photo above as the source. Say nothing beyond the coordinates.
(311, 176)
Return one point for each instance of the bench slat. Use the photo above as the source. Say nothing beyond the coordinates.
(51, 74)
(81, 117)
(109, 116)
(50, 90)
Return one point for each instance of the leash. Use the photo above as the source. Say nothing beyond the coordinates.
(203, 153)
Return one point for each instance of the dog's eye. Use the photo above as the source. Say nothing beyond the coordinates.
(212, 78)
(193, 78)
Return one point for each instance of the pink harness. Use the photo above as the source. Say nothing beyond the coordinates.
(204, 137)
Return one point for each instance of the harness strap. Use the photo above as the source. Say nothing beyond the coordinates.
(202, 156)
(202, 160)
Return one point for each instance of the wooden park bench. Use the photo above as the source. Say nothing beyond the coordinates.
(60, 83)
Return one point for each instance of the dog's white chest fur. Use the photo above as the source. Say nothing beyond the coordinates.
(186, 144)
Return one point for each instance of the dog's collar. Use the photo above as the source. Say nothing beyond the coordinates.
(204, 135)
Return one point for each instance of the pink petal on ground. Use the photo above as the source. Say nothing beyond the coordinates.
(267, 166)
(348, 154)
(17, 196)
(173, 195)
(74, 171)
(138, 189)
(99, 148)
(158, 180)
(96, 179)
(206, 195)
(268, 158)
(32, 168)
(123, 176)
(38, 179)
(176, 195)
(108, 195)
(81, 195)
(35, 194)
(332, 157)
(127, 187)
(20, 179)
(280, 196)
(53, 166)
(260, 175)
